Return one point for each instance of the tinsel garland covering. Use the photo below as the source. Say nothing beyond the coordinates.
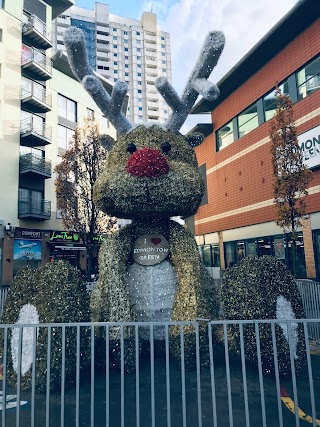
(53, 293)
(115, 297)
(263, 288)
(178, 191)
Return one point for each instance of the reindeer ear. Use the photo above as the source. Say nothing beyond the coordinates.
(195, 139)
(107, 141)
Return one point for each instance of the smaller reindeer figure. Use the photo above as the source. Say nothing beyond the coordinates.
(150, 270)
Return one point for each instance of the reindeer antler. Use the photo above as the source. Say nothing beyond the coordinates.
(197, 83)
(78, 60)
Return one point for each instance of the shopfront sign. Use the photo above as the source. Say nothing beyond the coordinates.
(99, 238)
(309, 143)
(64, 236)
(26, 233)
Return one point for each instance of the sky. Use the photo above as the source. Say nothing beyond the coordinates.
(243, 22)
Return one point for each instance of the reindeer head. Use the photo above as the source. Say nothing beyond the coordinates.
(151, 171)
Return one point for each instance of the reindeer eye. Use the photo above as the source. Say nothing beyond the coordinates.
(166, 147)
(131, 148)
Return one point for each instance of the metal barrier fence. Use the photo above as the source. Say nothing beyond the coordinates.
(221, 373)
(310, 293)
(3, 296)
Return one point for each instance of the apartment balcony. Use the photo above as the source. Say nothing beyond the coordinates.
(34, 133)
(34, 166)
(35, 64)
(33, 208)
(103, 47)
(151, 79)
(151, 61)
(34, 32)
(150, 38)
(36, 98)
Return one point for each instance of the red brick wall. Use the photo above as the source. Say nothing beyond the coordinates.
(248, 180)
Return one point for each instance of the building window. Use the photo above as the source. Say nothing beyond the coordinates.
(138, 42)
(67, 108)
(139, 83)
(90, 113)
(0, 34)
(138, 33)
(162, 37)
(115, 63)
(248, 120)
(139, 91)
(163, 62)
(126, 57)
(115, 46)
(126, 49)
(104, 122)
(138, 49)
(164, 70)
(126, 74)
(163, 54)
(308, 79)
(65, 135)
(138, 65)
(115, 38)
(210, 255)
(163, 46)
(139, 74)
(115, 71)
(138, 58)
(114, 29)
(125, 33)
(125, 41)
(225, 136)
(140, 108)
(270, 103)
(115, 54)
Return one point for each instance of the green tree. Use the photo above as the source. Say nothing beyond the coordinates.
(77, 173)
(291, 175)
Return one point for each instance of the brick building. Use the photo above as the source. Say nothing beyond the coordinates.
(236, 218)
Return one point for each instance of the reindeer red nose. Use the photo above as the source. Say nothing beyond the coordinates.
(147, 162)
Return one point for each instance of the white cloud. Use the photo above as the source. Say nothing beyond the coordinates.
(244, 23)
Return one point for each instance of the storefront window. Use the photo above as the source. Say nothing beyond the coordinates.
(225, 136)
(248, 120)
(308, 79)
(210, 255)
(300, 263)
(264, 246)
(251, 247)
(279, 246)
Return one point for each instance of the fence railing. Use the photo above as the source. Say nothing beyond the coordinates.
(310, 293)
(222, 373)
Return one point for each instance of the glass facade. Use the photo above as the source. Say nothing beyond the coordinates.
(270, 103)
(308, 79)
(225, 136)
(210, 255)
(248, 120)
(64, 137)
(279, 246)
(89, 30)
(67, 108)
(298, 85)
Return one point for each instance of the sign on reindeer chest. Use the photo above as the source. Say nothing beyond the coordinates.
(152, 279)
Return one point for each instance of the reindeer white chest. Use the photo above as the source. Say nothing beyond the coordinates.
(152, 280)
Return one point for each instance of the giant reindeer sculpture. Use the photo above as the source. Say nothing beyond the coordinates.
(150, 270)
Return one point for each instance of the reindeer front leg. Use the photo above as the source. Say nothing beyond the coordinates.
(111, 299)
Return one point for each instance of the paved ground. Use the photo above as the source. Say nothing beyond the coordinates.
(177, 409)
